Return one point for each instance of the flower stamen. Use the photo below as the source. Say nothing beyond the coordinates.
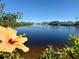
(11, 42)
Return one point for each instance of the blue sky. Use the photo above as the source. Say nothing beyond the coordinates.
(44, 10)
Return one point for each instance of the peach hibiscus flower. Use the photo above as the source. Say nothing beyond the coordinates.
(9, 41)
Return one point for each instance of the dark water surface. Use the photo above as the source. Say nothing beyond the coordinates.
(44, 35)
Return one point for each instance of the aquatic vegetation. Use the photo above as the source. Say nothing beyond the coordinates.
(9, 41)
(67, 52)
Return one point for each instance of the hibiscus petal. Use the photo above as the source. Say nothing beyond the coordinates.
(1, 46)
(21, 40)
(3, 34)
(22, 47)
(11, 32)
(2, 28)
(9, 48)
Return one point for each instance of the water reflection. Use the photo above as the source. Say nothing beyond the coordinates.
(44, 35)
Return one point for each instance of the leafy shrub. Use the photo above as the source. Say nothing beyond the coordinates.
(13, 55)
(67, 52)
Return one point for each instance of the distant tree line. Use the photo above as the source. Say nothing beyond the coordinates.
(24, 23)
(68, 23)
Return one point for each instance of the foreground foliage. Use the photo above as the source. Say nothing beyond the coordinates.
(67, 52)
(13, 55)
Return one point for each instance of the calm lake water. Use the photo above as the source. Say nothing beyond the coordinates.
(44, 35)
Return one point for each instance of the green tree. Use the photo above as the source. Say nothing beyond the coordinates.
(8, 19)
